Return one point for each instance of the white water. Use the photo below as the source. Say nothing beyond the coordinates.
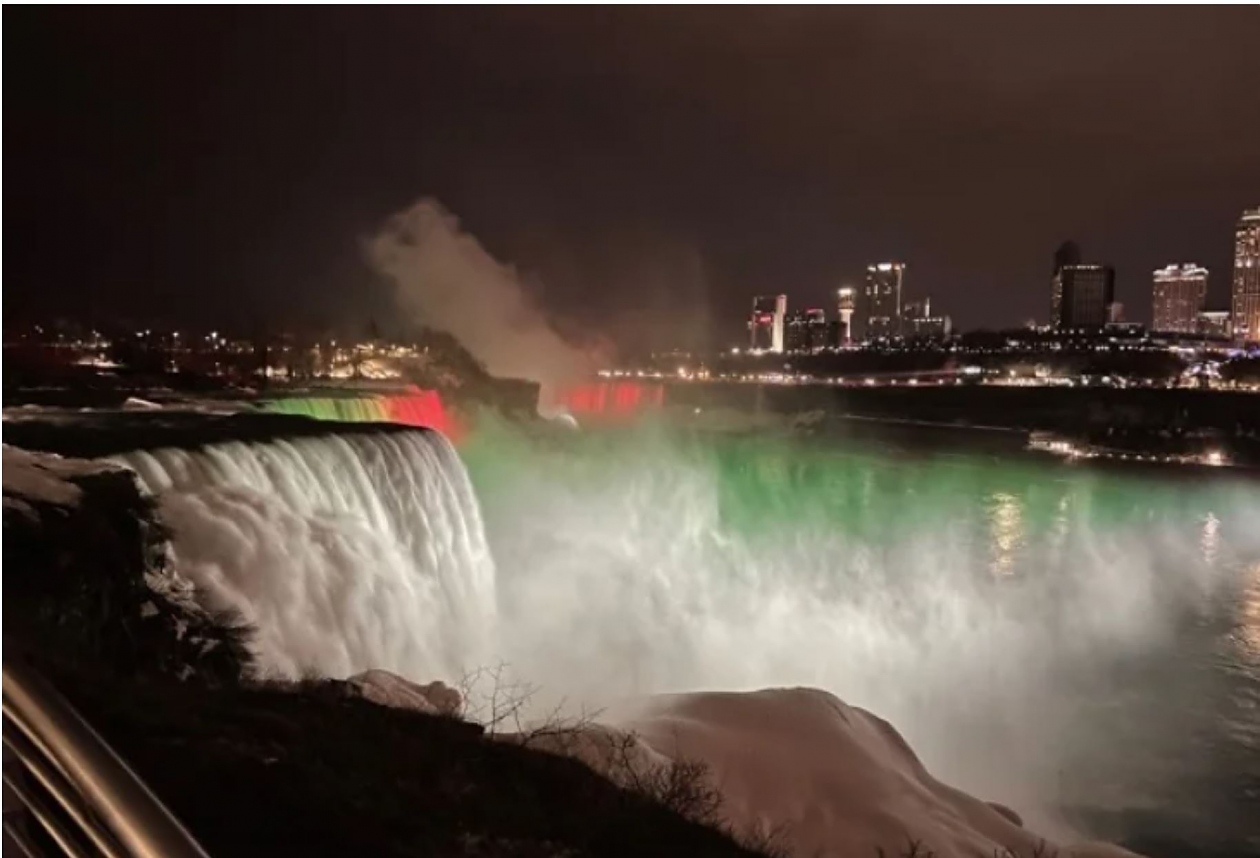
(987, 644)
(345, 552)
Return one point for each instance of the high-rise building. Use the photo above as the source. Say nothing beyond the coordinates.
(1083, 295)
(1178, 293)
(765, 325)
(1067, 254)
(1246, 291)
(883, 299)
(846, 303)
(816, 326)
(918, 323)
(805, 331)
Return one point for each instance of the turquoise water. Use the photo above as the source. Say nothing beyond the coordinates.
(1082, 646)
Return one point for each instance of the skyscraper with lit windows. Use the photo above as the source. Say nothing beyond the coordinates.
(805, 331)
(883, 299)
(1178, 293)
(1246, 287)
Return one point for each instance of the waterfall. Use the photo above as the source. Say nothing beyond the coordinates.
(1032, 631)
(616, 400)
(345, 552)
(413, 407)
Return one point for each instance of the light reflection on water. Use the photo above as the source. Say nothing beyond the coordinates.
(1211, 539)
(1007, 533)
(1247, 633)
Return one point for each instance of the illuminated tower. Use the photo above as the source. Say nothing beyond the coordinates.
(780, 316)
(1177, 296)
(846, 302)
(1246, 292)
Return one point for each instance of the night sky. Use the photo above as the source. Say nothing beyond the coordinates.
(647, 170)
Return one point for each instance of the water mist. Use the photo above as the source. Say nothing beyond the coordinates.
(991, 612)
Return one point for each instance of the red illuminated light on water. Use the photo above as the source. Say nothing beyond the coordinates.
(422, 408)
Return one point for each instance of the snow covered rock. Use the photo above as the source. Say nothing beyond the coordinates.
(43, 478)
(390, 689)
(831, 779)
(89, 576)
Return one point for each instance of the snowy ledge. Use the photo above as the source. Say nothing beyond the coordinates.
(795, 767)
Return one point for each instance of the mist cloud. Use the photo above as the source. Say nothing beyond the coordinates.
(445, 279)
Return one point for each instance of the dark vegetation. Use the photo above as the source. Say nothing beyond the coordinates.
(309, 770)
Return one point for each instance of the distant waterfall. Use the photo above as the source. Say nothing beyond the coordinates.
(346, 552)
(609, 400)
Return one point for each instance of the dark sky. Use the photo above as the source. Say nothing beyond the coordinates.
(647, 170)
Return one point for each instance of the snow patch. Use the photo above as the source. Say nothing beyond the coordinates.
(832, 779)
(135, 403)
(390, 689)
(44, 478)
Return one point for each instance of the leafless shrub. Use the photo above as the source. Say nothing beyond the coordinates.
(683, 786)
(490, 697)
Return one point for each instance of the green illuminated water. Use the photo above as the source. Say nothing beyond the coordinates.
(359, 409)
(1082, 644)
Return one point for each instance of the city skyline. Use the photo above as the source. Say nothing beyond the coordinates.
(1082, 296)
(642, 173)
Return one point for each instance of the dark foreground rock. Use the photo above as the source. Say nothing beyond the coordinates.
(313, 770)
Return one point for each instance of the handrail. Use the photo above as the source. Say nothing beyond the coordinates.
(76, 767)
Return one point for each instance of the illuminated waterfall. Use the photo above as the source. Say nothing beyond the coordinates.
(608, 399)
(990, 610)
(415, 407)
(345, 552)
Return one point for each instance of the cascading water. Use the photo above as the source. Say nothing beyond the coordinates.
(345, 552)
(415, 407)
(1027, 628)
(606, 400)
(1023, 626)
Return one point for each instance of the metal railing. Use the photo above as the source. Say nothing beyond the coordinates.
(74, 795)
